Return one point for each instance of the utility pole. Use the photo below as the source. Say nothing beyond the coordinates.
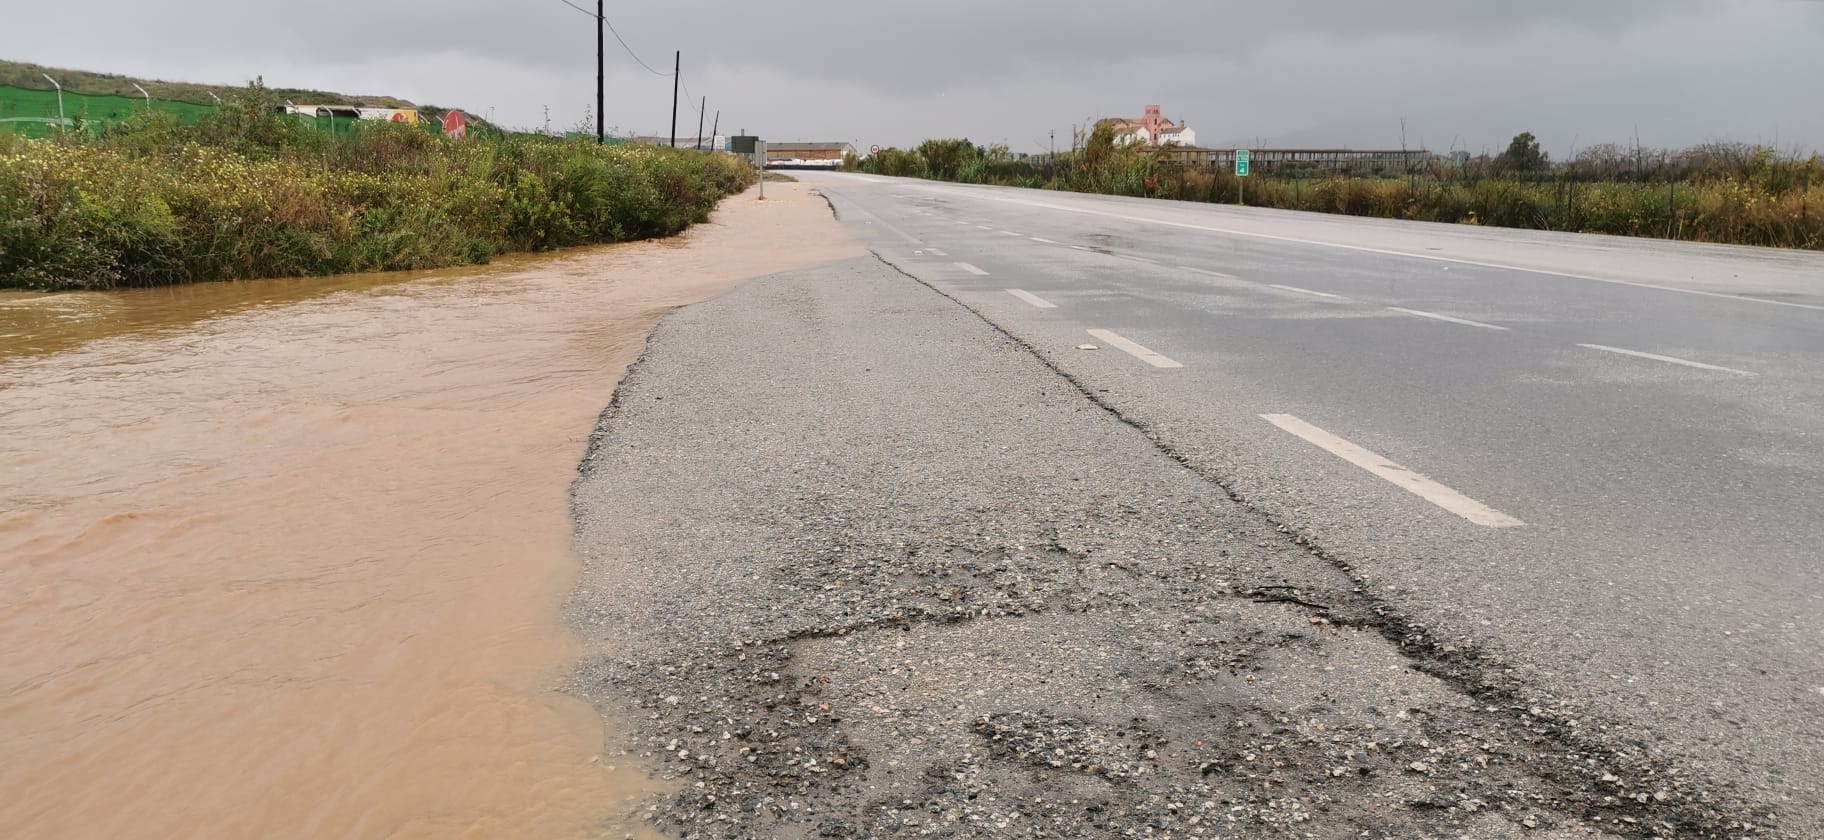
(702, 112)
(677, 78)
(601, 100)
(714, 130)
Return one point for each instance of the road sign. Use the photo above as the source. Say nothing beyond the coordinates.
(1241, 163)
(455, 125)
(873, 150)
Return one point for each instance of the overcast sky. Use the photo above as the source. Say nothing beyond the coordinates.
(1467, 74)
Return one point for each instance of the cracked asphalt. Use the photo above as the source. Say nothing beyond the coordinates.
(863, 565)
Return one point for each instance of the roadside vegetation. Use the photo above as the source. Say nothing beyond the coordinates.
(1724, 193)
(247, 192)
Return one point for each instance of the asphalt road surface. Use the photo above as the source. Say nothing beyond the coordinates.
(1569, 487)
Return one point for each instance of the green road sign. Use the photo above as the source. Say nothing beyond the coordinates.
(1241, 163)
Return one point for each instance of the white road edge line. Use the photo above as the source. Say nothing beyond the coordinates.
(1363, 249)
(1406, 479)
(1658, 358)
(1042, 241)
(971, 269)
(1031, 298)
(1436, 317)
(1134, 350)
(1306, 291)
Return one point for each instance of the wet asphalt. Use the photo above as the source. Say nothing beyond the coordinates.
(871, 551)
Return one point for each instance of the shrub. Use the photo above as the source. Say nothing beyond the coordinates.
(1716, 193)
(253, 193)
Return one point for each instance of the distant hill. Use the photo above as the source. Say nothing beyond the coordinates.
(30, 76)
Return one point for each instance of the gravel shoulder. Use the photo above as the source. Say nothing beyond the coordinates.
(859, 565)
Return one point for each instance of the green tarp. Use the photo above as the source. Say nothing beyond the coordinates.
(34, 112)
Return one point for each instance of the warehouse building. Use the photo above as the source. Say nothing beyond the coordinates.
(797, 155)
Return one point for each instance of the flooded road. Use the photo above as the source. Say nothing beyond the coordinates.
(285, 559)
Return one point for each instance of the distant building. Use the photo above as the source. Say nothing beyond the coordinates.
(781, 153)
(354, 112)
(1151, 130)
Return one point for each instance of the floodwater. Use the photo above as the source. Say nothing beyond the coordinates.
(286, 558)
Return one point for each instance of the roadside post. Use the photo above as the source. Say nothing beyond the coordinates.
(61, 119)
(760, 161)
(1241, 173)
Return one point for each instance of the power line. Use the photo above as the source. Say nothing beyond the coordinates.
(689, 96)
(617, 37)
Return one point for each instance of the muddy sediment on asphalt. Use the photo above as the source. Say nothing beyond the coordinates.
(871, 568)
(286, 558)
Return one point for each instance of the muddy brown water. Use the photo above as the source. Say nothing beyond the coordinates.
(286, 558)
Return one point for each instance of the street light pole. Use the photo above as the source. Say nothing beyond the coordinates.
(61, 119)
(142, 92)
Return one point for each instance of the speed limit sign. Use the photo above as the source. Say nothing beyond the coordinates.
(873, 150)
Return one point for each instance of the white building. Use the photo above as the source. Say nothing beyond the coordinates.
(1152, 130)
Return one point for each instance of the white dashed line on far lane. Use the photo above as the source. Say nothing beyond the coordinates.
(1031, 298)
(971, 269)
(1658, 358)
(1306, 291)
(1204, 271)
(1410, 481)
(1134, 350)
(1436, 317)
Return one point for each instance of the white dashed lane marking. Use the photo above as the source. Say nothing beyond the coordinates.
(1412, 482)
(1306, 292)
(1204, 271)
(1135, 350)
(1436, 317)
(1668, 359)
(1031, 298)
(971, 269)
